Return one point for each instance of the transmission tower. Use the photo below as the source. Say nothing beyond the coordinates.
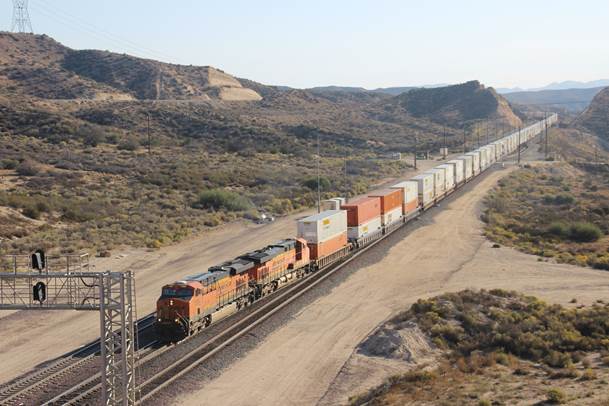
(21, 17)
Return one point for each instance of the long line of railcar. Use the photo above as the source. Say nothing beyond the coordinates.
(189, 305)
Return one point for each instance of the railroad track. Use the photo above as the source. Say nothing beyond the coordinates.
(51, 377)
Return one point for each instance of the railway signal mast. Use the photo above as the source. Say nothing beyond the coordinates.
(65, 283)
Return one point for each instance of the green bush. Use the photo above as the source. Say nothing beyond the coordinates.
(311, 183)
(128, 144)
(28, 168)
(222, 199)
(560, 199)
(9, 164)
(556, 396)
(585, 232)
(558, 229)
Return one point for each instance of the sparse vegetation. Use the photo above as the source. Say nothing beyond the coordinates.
(498, 341)
(558, 212)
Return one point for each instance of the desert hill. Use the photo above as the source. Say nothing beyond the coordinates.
(470, 101)
(38, 66)
(595, 118)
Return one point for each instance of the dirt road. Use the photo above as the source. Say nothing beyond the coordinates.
(310, 360)
(31, 338)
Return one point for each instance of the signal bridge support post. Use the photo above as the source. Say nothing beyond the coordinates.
(66, 284)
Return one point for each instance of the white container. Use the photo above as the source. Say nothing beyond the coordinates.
(410, 190)
(449, 179)
(483, 159)
(491, 153)
(459, 170)
(468, 166)
(355, 233)
(392, 216)
(425, 186)
(332, 204)
(475, 161)
(322, 226)
(439, 182)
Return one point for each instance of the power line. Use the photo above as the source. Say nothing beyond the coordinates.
(21, 17)
(77, 24)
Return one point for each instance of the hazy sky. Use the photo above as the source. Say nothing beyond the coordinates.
(351, 43)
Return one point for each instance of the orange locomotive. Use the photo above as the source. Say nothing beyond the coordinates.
(188, 305)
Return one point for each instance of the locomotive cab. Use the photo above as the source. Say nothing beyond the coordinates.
(173, 311)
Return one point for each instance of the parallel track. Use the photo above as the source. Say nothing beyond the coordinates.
(49, 378)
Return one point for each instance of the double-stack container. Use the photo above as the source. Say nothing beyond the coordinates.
(410, 190)
(439, 182)
(325, 232)
(491, 154)
(483, 158)
(475, 161)
(332, 204)
(425, 188)
(468, 166)
(449, 176)
(391, 205)
(459, 170)
(363, 217)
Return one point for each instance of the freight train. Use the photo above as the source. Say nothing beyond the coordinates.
(189, 305)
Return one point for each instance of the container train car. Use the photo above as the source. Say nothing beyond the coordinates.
(323, 239)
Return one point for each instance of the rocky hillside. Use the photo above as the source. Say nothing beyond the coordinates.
(38, 66)
(465, 102)
(595, 118)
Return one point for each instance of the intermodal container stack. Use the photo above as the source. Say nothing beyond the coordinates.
(332, 204)
(449, 176)
(459, 169)
(426, 189)
(410, 190)
(468, 166)
(325, 232)
(439, 182)
(475, 161)
(363, 216)
(391, 205)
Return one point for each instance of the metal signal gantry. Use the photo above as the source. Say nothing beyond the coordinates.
(65, 283)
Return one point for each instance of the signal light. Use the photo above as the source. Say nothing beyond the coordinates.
(38, 260)
(39, 292)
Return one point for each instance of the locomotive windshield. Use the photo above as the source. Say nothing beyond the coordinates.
(177, 292)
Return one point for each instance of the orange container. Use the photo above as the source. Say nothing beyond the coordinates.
(362, 210)
(390, 199)
(410, 206)
(328, 247)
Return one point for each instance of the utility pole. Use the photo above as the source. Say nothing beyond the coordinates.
(446, 151)
(545, 123)
(487, 134)
(416, 141)
(519, 145)
(148, 131)
(478, 134)
(318, 176)
(346, 177)
(464, 140)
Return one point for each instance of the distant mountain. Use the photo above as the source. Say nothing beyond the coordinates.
(574, 100)
(461, 103)
(567, 84)
(392, 91)
(595, 118)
